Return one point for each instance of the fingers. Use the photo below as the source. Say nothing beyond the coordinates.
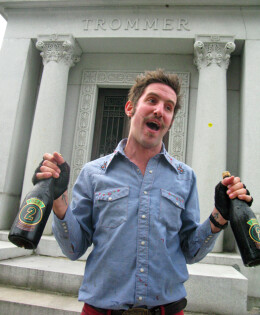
(55, 158)
(246, 198)
(49, 166)
(236, 189)
(43, 175)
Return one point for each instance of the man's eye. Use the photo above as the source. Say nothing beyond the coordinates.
(169, 108)
(151, 100)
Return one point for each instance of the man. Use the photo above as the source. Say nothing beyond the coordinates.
(139, 208)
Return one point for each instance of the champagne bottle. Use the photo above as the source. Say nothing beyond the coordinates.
(33, 214)
(246, 230)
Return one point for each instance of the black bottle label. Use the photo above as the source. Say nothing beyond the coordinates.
(31, 214)
(254, 231)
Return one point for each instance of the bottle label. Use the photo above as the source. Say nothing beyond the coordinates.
(31, 214)
(254, 231)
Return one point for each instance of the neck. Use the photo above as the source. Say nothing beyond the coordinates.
(140, 155)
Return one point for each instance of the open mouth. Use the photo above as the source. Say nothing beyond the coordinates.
(153, 125)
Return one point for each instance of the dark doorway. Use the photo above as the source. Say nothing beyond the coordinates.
(111, 122)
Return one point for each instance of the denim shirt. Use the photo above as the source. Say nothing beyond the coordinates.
(144, 229)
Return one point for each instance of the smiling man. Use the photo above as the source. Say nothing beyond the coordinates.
(139, 208)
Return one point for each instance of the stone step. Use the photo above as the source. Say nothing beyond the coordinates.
(9, 250)
(48, 246)
(60, 275)
(216, 289)
(234, 260)
(34, 272)
(15, 301)
(4, 235)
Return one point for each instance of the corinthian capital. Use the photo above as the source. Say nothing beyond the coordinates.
(215, 49)
(59, 48)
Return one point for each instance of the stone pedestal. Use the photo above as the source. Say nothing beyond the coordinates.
(59, 53)
(212, 54)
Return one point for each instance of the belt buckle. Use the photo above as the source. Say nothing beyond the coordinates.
(137, 311)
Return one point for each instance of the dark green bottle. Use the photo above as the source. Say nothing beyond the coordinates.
(246, 230)
(33, 214)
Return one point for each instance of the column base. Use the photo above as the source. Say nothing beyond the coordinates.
(9, 207)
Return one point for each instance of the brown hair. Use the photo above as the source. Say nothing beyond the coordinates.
(158, 76)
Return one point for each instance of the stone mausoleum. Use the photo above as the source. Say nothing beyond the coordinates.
(65, 70)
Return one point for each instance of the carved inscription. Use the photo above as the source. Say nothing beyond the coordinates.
(136, 24)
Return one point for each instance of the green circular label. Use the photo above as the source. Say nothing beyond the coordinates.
(254, 232)
(31, 214)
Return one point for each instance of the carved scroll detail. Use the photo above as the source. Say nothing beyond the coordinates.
(58, 48)
(213, 51)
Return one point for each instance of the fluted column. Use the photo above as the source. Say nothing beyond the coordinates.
(249, 165)
(212, 54)
(59, 53)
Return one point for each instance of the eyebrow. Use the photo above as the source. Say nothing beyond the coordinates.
(155, 94)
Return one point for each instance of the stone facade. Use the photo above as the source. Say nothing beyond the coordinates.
(55, 56)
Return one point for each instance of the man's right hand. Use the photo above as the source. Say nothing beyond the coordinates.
(49, 166)
(54, 165)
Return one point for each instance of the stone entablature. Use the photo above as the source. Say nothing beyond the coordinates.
(125, 3)
(155, 22)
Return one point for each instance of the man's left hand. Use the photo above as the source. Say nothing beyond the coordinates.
(229, 188)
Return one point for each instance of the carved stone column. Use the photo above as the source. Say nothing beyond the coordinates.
(212, 54)
(249, 165)
(59, 53)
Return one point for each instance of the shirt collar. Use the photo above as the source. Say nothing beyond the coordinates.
(120, 150)
(171, 160)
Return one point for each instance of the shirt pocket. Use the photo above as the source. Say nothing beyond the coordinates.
(111, 206)
(171, 207)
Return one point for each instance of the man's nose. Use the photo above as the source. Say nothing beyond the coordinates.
(158, 111)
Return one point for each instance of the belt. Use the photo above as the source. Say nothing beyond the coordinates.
(169, 309)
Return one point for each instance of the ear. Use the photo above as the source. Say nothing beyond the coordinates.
(129, 108)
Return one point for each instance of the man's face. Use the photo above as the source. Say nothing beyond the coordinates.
(153, 115)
